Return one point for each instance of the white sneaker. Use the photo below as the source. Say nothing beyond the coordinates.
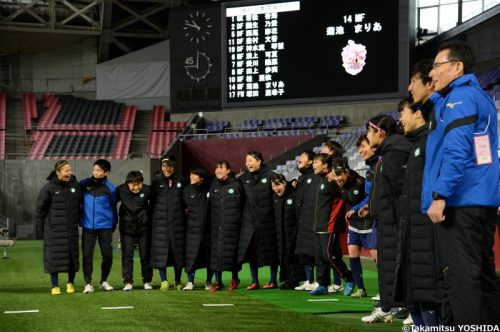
(189, 287)
(148, 286)
(311, 287)
(335, 288)
(88, 289)
(105, 286)
(378, 315)
(408, 321)
(303, 286)
(128, 287)
(376, 297)
(208, 285)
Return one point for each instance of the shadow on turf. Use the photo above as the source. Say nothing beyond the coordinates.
(27, 290)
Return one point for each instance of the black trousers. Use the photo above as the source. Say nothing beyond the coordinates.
(471, 293)
(127, 244)
(329, 255)
(89, 238)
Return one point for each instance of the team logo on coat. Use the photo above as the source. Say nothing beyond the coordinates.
(208, 194)
(231, 191)
(322, 186)
(452, 105)
(73, 190)
(179, 184)
(309, 181)
(264, 180)
(141, 195)
(356, 192)
(289, 201)
(417, 152)
(57, 192)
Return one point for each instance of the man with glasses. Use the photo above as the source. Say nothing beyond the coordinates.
(460, 192)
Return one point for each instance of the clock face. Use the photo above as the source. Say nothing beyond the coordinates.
(198, 67)
(197, 27)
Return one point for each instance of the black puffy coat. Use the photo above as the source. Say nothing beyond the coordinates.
(168, 221)
(285, 208)
(306, 200)
(384, 206)
(417, 273)
(353, 192)
(58, 215)
(226, 200)
(197, 235)
(134, 212)
(258, 217)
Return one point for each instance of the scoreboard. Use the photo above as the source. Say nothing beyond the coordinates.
(310, 51)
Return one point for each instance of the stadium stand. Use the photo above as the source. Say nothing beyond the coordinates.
(3, 112)
(80, 145)
(77, 128)
(163, 132)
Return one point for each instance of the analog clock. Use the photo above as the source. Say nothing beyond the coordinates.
(197, 26)
(198, 67)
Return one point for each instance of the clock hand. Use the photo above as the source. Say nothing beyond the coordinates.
(193, 25)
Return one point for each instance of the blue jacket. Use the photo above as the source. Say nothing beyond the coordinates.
(99, 204)
(462, 111)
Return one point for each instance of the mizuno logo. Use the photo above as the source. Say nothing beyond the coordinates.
(452, 105)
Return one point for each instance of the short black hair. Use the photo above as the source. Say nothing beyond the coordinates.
(336, 148)
(278, 178)
(405, 102)
(423, 68)
(385, 122)
(221, 163)
(309, 153)
(361, 139)
(325, 159)
(257, 155)
(103, 164)
(200, 171)
(460, 51)
(169, 161)
(340, 165)
(134, 176)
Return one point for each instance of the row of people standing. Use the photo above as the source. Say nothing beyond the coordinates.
(435, 197)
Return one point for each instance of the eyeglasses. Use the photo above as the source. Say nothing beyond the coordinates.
(437, 64)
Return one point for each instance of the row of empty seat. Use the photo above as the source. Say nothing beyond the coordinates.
(70, 113)
(80, 145)
(76, 128)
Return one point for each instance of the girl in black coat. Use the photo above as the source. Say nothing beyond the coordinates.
(135, 226)
(393, 150)
(258, 243)
(168, 223)
(197, 236)
(291, 271)
(226, 199)
(58, 215)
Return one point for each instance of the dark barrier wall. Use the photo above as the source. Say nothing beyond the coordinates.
(207, 152)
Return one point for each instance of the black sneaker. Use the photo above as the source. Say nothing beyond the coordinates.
(287, 285)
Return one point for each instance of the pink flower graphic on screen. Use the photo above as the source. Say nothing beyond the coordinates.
(354, 57)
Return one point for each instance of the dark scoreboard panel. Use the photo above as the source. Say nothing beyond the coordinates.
(310, 51)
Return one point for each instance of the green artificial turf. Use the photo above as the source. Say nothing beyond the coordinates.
(24, 286)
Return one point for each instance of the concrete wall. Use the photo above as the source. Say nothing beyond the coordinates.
(62, 70)
(21, 181)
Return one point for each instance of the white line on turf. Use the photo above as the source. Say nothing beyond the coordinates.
(21, 311)
(218, 305)
(116, 308)
(322, 300)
